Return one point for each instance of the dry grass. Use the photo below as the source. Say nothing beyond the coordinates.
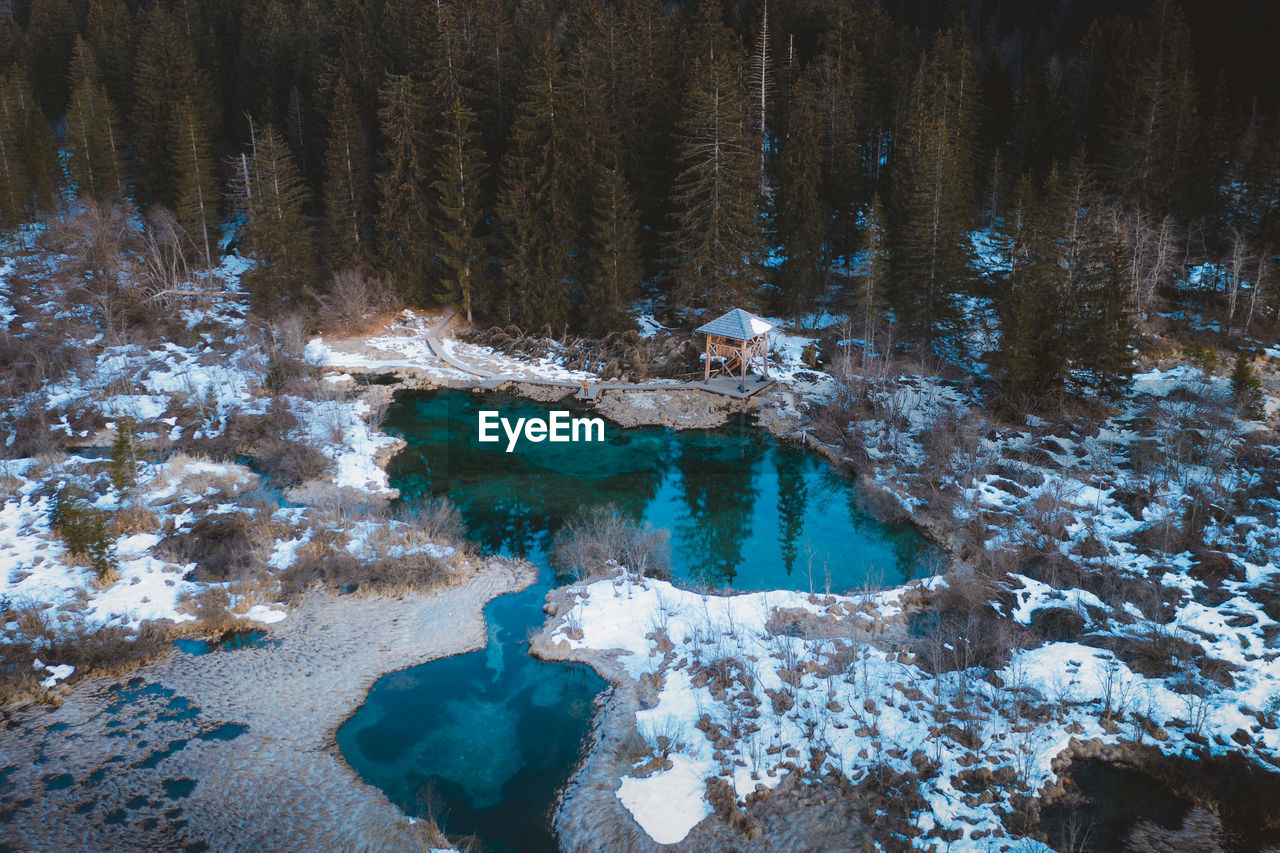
(599, 539)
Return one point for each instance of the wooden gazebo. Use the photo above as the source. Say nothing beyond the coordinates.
(733, 340)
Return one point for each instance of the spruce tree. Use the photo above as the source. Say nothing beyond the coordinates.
(1246, 389)
(1031, 360)
(277, 232)
(614, 270)
(51, 32)
(347, 183)
(934, 194)
(196, 192)
(109, 34)
(39, 151)
(15, 182)
(460, 175)
(535, 207)
(403, 223)
(800, 213)
(1153, 131)
(717, 236)
(165, 78)
(95, 147)
(875, 270)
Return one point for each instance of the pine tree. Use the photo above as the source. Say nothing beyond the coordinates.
(347, 183)
(875, 270)
(933, 190)
(718, 231)
(1152, 121)
(495, 79)
(613, 271)
(1065, 309)
(278, 232)
(403, 223)
(461, 171)
(1031, 361)
(109, 34)
(95, 147)
(1246, 389)
(39, 151)
(51, 32)
(15, 182)
(124, 457)
(800, 213)
(197, 193)
(535, 208)
(165, 78)
(842, 94)
(1103, 353)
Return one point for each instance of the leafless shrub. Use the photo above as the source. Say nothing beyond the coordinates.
(213, 610)
(438, 521)
(289, 463)
(341, 572)
(598, 538)
(353, 299)
(94, 236)
(222, 546)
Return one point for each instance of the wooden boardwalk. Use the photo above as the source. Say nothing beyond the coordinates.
(488, 381)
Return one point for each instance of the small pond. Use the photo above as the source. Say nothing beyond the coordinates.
(483, 741)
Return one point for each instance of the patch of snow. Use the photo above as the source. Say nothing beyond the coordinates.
(669, 803)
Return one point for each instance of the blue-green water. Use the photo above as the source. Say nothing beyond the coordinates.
(483, 741)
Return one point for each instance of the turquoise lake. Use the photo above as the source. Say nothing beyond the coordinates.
(483, 741)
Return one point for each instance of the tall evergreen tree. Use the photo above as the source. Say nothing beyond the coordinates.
(715, 245)
(934, 193)
(347, 183)
(460, 175)
(1066, 317)
(800, 213)
(277, 232)
(109, 34)
(875, 271)
(1103, 347)
(535, 208)
(165, 78)
(51, 32)
(95, 147)
(1031, 361)
(39, 151)
(614, 270)
(196, 192)
(15, 182)
(403, 221)
(1152, 122)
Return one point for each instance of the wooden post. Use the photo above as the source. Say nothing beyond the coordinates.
(764, 356)
(706, 377)
(744, 358)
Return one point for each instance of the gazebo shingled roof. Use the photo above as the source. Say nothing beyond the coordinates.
(734, 340)
(738, 324)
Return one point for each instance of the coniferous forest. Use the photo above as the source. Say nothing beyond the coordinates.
(545, 163)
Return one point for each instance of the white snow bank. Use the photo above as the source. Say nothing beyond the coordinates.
(669, 803)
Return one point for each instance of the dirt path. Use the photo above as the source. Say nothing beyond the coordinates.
(235, 749)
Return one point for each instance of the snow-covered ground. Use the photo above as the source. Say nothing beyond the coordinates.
(1172, 645)
(201, 390)
(404, 345)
